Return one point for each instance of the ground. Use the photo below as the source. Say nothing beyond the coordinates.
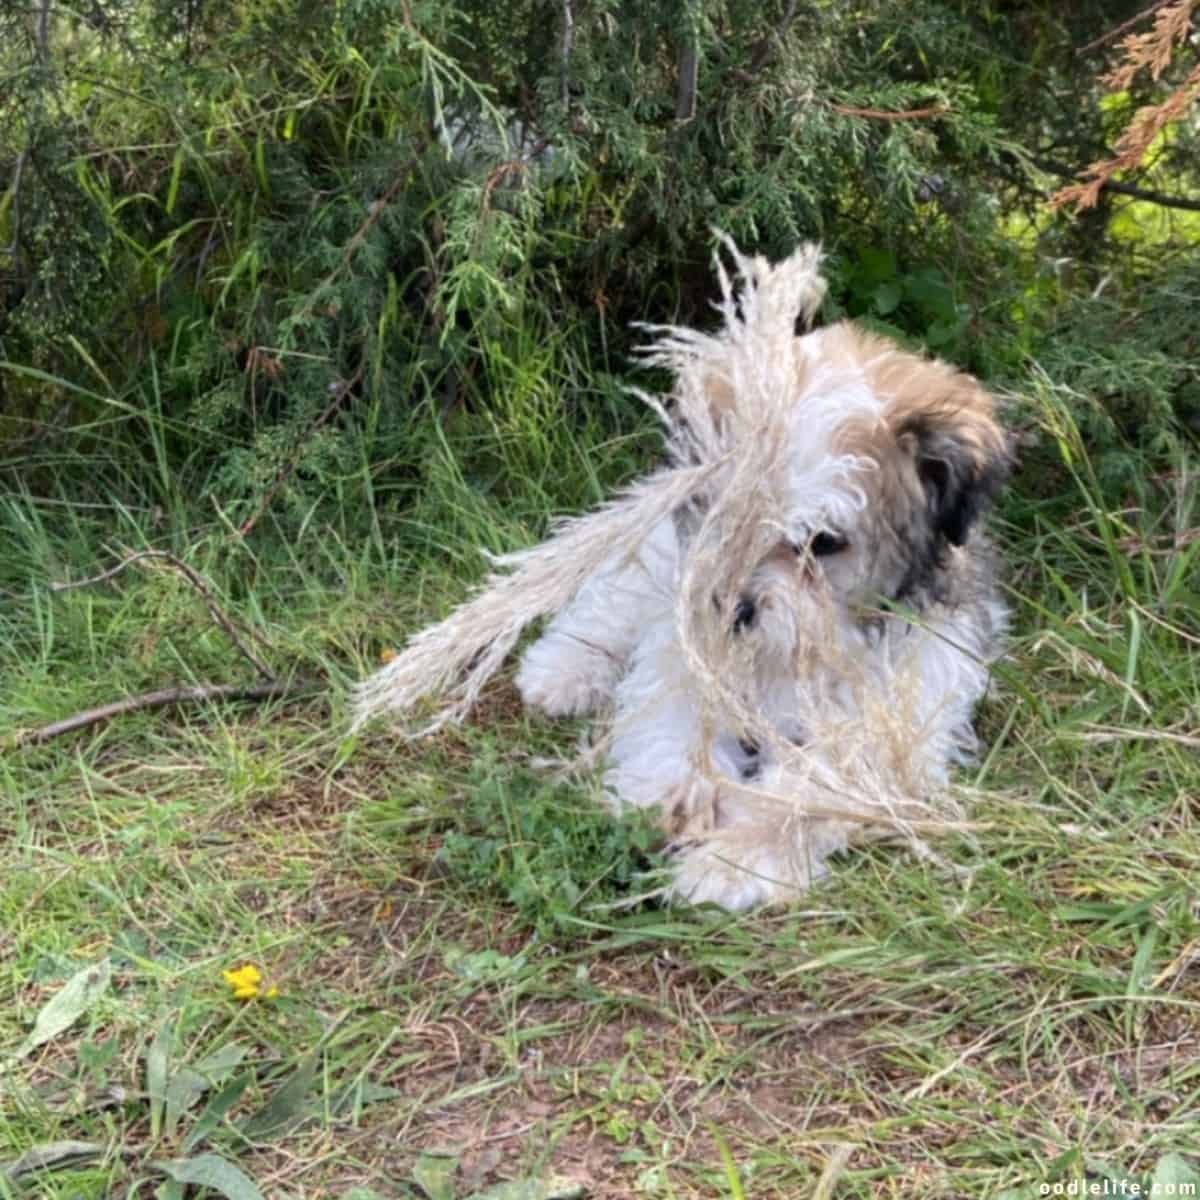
(463, 990)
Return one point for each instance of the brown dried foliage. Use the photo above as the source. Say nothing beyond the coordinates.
(1150, 51)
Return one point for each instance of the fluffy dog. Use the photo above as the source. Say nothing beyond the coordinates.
(785, 629)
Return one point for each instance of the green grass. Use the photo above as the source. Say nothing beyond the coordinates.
(1016, 1012)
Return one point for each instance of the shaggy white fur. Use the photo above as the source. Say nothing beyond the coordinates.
(784, 629)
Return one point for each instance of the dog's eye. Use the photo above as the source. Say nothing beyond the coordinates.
(825, 543)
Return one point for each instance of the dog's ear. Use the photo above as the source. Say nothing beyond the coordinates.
(961, 460)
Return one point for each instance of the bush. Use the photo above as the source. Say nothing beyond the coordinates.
(284, 252)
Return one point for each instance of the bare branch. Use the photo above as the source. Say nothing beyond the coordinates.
(766, 48)
(341, 391)
(43, 33)
(883, 114)
(1150, 196)
(13, 249)
(196, 581)
(1124, 25)
(42, 54)
(157, 699)
(568, 44)
(689, 69)
(1117, 187)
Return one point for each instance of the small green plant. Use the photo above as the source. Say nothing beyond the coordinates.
(437, 1176)
(548, 850)
(913, 304)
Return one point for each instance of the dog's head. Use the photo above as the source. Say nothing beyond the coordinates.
(833, 472)
(919, 459)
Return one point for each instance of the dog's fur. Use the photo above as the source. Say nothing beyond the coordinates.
(790, 638)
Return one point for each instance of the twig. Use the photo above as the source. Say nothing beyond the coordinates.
(882, 114)
(689, 69)
(1150, 197)
(13, 249)
(1110, 733)
(374, 212)
(157, 699)
(1123, 189)
(1124, 25)
(343, 390)
(196, 581)
(766, 48)
(568, 44)
(835, 1167)
(500, 172)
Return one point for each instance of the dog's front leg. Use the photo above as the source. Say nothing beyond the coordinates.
(574, 667)
(660, 755)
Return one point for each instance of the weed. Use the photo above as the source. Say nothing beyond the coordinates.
(549, 850)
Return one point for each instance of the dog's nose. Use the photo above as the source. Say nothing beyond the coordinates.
(743, 615)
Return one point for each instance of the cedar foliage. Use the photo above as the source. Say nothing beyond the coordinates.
(260, 244)
(1153, 52)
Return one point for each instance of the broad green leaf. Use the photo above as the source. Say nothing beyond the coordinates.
(215, 1110)
(941, 332)
(188, 1084)
(1175, 1176)
(286, 1103)
(886, 297)
(67, 1005)
(215, 1066)
(434, 1174)
(158, 1057)
(876, 264)
(212, 1171)
(50, 1155)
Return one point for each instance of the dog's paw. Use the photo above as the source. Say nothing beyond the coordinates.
(566, 678)
(736, 872)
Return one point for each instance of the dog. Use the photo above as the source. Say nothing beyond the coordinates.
(784, 631)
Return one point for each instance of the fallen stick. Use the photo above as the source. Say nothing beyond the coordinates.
(156, 699)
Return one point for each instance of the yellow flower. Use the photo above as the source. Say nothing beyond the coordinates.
(247, 983)
(386, 655)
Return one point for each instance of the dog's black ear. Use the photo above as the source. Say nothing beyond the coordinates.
(961, 462)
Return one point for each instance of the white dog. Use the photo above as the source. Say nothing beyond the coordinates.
(787, 627)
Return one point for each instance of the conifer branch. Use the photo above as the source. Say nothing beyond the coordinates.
(341, 391)
(1112, 34)
(1120, 188)
(1153, 52)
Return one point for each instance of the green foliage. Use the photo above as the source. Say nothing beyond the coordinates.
(551, 853)
(1132, 372)
(306, 250)
(276, 254)
(898, 302)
